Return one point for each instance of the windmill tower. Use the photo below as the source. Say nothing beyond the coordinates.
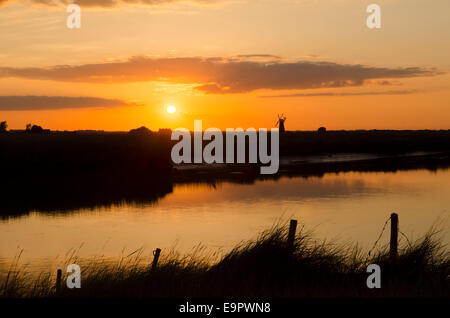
(280, 123)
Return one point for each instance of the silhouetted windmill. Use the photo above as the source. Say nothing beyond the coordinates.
(280, 122)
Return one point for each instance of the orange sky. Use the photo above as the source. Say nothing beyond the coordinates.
(229, 63)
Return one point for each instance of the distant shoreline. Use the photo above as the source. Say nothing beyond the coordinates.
(318, 165)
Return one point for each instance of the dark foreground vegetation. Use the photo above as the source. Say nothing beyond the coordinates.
(67, 153)
(32, 153)
(51, 171)
(265, 267)
(364, 141)
(28, 153)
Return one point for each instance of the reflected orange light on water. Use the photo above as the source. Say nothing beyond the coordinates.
(342, 207)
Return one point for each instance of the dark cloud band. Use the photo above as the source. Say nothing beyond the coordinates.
(20, 103)
(221, 75)
(329, 94)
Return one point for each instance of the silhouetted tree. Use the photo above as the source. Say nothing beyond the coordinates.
(140, 131)
(36, 129)
(3, 126)
(322, 130)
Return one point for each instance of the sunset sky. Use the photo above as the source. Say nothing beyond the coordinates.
(230, 63)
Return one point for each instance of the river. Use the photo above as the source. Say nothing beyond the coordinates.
(349, 207)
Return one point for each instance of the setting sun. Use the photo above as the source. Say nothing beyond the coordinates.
(171, 109)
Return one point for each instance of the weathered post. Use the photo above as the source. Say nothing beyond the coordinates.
(394, 236)
(291, 235)
(58, 280)
(156, 254)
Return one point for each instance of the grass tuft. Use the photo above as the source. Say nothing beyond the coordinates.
(263, 267)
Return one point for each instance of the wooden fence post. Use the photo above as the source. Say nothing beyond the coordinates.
(58, 280)
(156, 254)
(291, 235)
(394, 236)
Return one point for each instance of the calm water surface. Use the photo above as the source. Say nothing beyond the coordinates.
(340, 207)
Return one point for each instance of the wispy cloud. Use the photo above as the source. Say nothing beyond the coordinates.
(221, 75)
(325, 94)
(116, 3)
(19, 103)
(264, 56)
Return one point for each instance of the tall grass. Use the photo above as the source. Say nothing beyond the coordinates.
(263, 267)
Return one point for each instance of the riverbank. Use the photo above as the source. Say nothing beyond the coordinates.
(73, 190)
(313, 165)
